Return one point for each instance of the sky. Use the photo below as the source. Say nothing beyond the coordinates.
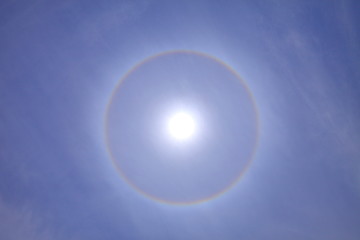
(68, 129)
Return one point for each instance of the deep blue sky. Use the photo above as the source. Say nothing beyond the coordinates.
(60, 61)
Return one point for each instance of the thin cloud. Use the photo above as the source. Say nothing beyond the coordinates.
(21, 223)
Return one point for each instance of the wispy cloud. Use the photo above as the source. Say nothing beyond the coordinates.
(21, 223)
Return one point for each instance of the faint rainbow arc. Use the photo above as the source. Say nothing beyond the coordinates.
(234, 181)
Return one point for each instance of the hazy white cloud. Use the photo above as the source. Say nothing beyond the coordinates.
(21, 223)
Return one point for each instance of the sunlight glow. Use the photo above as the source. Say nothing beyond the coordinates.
(181, 126)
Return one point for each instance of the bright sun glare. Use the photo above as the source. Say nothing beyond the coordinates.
(181, 126)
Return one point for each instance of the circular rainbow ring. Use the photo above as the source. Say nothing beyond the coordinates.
(234, 181)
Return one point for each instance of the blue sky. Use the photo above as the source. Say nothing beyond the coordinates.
(61, 60)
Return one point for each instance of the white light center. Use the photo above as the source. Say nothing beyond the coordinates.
(181, 126)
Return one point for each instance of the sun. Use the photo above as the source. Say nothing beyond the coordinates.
(181, 126)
